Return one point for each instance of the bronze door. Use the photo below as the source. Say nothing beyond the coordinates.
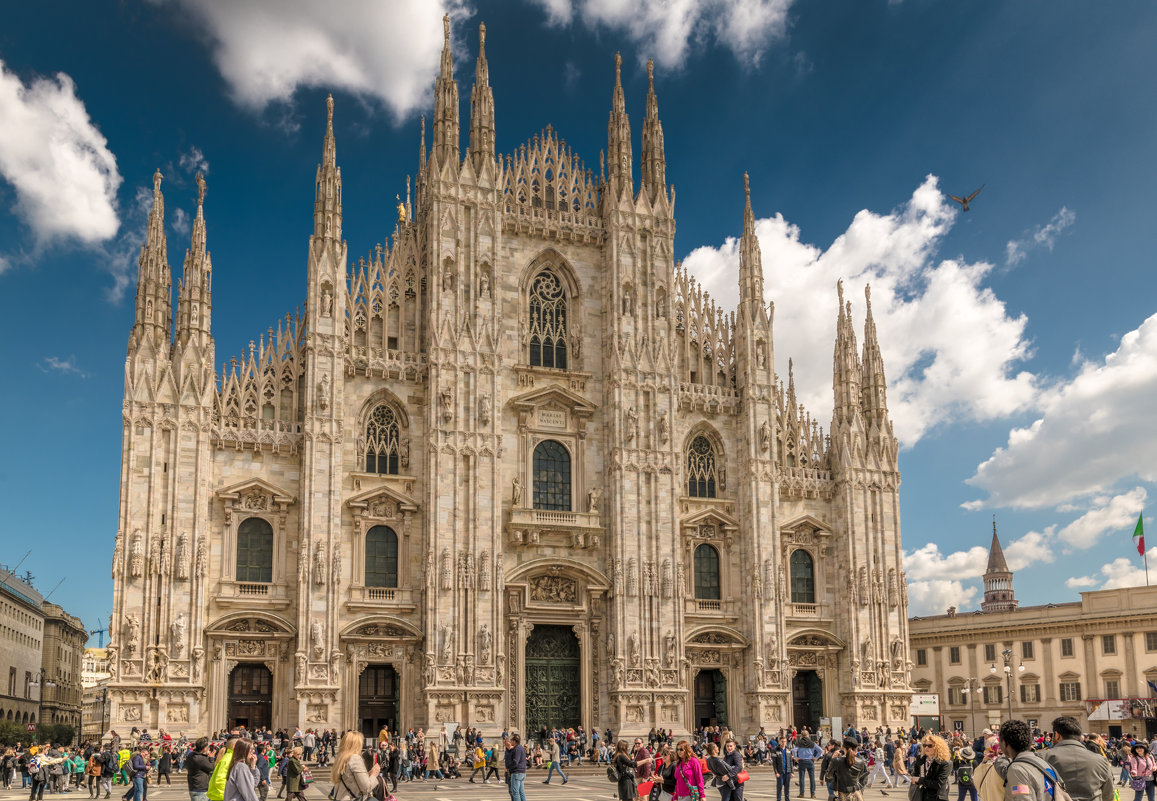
(553, 678)
(250, 696)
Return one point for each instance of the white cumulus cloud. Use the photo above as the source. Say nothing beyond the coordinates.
(1121, 572)
(934, 597)
(388, 51)
(951, 348)
(57, 161)
(668, 31)
(1044, 236)
(1096, 430)
(193, 161)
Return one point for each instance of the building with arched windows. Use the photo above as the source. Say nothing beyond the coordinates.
(515, 469)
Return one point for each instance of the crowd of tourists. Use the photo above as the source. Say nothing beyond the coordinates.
(1013, 763)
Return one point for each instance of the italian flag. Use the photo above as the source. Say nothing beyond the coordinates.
(1139, 537)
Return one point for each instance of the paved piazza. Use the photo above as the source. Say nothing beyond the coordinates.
(585, 785)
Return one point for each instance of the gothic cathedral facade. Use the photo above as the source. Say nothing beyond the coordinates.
(514, 469)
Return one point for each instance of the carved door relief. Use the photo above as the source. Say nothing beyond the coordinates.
(553, 679)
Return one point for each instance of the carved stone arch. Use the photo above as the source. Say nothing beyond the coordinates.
(815, 638)
(551, 258)
(717, 635)
(705, 429)
(263, 622)
(379, 396)
(591, 577)
(380, 626)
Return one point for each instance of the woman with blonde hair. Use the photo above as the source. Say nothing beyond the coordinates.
(350, 778)
(932, 768)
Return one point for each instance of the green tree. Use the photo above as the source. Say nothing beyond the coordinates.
(12, 732)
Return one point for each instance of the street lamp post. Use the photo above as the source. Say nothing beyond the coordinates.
(1006, 657)
(973, 684)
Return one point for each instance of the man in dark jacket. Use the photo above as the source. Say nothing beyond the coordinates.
(1087, 775)
(781, 760)
(515, 761)
(199, 768)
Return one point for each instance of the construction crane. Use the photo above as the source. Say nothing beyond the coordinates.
(100, 632)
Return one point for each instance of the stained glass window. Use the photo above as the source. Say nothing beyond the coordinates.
(382, 441)
(381, 557)
(548, 337)
(551, 476)
(255, 550)
(701, 473)
(803, 578)
(707, 573)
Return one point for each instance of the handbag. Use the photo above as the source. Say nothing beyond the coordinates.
(644, 788)
(306, 777)
(742, 776)
(914, 792)
(1137, 784)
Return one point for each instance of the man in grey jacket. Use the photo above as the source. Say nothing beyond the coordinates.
(1025, 778)
(1086, 774)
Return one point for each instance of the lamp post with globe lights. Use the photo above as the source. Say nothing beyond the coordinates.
(1006, 657)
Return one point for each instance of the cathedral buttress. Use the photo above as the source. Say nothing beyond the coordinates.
(481, 110)
(445, 153)
(322, 468)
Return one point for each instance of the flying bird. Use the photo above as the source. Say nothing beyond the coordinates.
(964, 201)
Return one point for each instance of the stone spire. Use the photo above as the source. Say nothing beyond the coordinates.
(194, 298)
(446, 105)
(654, 159)
(998, 594)
(481, 108)
(619, 136)
(750, 260)
(154, 279)
(327, 202)
(875, 397)
(846, 369)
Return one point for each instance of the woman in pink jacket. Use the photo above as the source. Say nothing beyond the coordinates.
(688, 773)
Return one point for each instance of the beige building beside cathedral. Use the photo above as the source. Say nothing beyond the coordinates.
(514, 470)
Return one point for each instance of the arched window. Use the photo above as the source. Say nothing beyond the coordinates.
(255, 551)
(548, 339)
(382, 449)
(707, 573)
(701, 471)
(551, 476)
(381, 557)
(803, 578)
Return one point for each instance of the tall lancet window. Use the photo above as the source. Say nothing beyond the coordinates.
(381, 443)
(701, 469)
(548, 341)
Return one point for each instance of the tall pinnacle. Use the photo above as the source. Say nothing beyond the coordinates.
(481, 108)
(998, 592)
(654, 159)
(619, 135)
(996, 561)
(154, 278)
(874, 383)
(846, 364)
(446, 105)
(750, 259)
(327, 200)
(194, 302)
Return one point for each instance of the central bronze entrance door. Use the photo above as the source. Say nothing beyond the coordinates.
(710, 698)
(250, 696)
(553, 678)
(807, 693)
(377, 699)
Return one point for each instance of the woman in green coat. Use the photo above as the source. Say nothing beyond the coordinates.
(294, 786)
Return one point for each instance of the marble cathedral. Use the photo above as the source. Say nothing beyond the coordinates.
(514, 468)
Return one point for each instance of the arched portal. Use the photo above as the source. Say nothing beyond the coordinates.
(807, 695)
(377, 699)
(553, 679)
(710, 698)
(250, 696)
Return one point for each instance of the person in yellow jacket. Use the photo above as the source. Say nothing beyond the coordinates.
(221, 771)
(123, 757)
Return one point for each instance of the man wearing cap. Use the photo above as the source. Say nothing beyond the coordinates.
(1087, 775)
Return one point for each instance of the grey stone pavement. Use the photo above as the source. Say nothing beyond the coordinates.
(585, 784)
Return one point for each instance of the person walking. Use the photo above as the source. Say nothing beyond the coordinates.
(515, 762)
(432, 759)
(556, 762)
(491, 764)
(964, 779)
(932, 768)
(264, 758)
(351, 780)
(241, 781)
(295, 775)
(1027, 776)
(1141, 767)
(878, 766)
(165, 766)
(1087, 775)
(782, 762)
(688, 773)
(625, 767)
(198, 769)
(848, 771)
(734, 761)
(477, 762)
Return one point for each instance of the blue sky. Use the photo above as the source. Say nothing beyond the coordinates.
(1020, 338)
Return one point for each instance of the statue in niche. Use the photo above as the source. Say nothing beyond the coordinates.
(516, 493)
(131, 633)
(484, 284)
(446, 401)
(633, 650)
(428, 673)
(593, 500)
(326, 302)
(183, 557)
(177, 635)
(484, 410)
(485, 643)
(664, 428)
(323, 392)
(761, 352)
(447, 278)
(632, 424)
(319, 563)
(316, 639)
(446, 638)
(669, 649)
(576, 344)
(405, 454)
(764, 436)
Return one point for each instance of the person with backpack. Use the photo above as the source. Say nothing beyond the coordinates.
(964, 782)
(478, 763)
(1087, 774)
(1027, 777)
(491, 764)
